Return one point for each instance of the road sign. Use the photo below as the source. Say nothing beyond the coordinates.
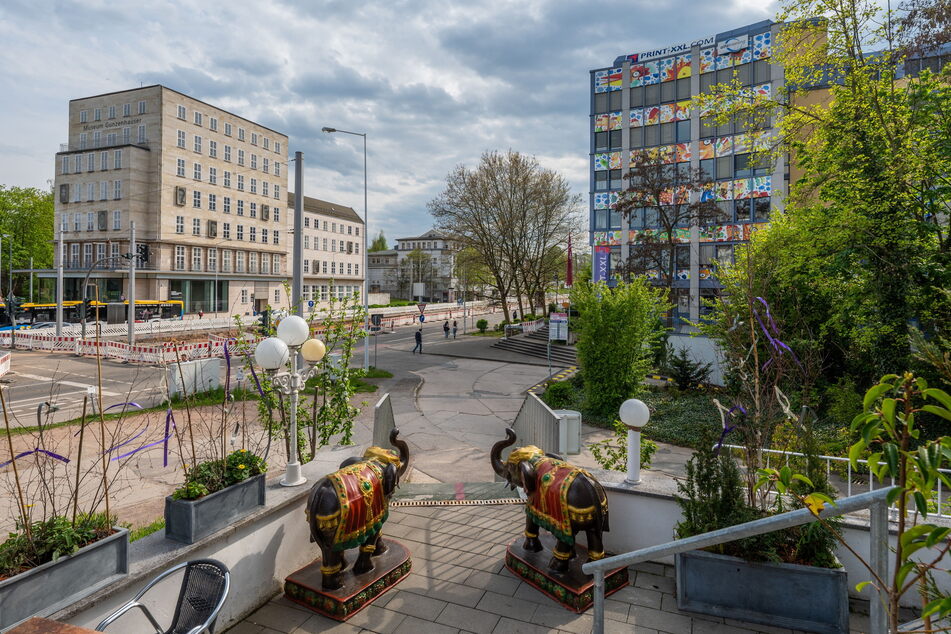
(565, 305)
(421, 307)
(422, 318)
(558, 326)
(310, 303)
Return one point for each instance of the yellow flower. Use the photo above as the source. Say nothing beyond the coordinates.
(241, 466)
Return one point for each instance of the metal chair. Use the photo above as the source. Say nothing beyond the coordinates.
(204, 590)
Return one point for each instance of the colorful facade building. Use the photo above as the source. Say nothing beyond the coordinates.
(641, 103)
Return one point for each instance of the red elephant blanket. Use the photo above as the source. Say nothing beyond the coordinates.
(363, 508)
(548, 504)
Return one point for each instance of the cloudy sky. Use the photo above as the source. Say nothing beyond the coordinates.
(433, 83)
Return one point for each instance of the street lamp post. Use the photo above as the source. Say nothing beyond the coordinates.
(634, 414)
(366, 261)
(274, 353)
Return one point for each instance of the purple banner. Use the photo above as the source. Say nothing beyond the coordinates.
(602, 264)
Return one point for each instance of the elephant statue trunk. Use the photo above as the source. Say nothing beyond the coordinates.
(403, 449)
(496, 454)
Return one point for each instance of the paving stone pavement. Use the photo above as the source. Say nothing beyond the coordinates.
(460, 584)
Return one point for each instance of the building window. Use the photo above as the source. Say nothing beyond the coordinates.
(241, 134)
(227, 179)
(240, 182)
(226, 261)
(180, 167)
(117, 190)
(252, 262)
(240, 157)
(240, 207)
(356, 269)
(227, 129)
(115, 250)
(254, 161)
(228, 153)
(277, 168)
(254, 185)
(181, 139)
(197, 118)
(213, 149)
(277, 192)
(198, 144)
(349, 268)
(196, 258)
(213, 175)
(196, 171)
(213, 124)
(90, 162)
(179, 224)
(325, 245)
(126, 135)
(112, 112)
(212, 202)
(83, 116)
(265, 164)
(97, 114)
(77, 221)
(277, 147)
(141, 107)
(227, 205)
(306, 242)
(323, 266)
(226, 230)
(240, 234)
(254, 138)
(276, 213)
(90, 221)
(196, 199)
(265, 263)
(264, 188)
(277, 295)
(356, 248)
(142, 138)
(333, 268)
(117, 159)
(253, 234)
(264, 236)
(103, 160)
(181, 112)
(196, 227)
(78, 163)
(239, 266)
(96, 139)
(82, 140)
(306, 266)
(103, 190)
(244, 294)
(127, 110)
(212, 259)
(64, 163)
(253, 210)
(116, 220)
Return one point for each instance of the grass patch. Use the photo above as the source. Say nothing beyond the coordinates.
(362, 387)
(488, 333)
(376, 373)
(145, 531)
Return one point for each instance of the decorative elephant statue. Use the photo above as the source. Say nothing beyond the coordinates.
(348, 507)
(562, 498)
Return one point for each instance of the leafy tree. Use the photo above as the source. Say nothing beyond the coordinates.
(513, 213)
(617, 328)
(416, 267)
(26, 215)
(379, 243)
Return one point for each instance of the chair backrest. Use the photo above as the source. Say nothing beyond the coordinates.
(204, 590)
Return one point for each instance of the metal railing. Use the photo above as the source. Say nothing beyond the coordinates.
(102, 144)
(875, 501)
(940, 506)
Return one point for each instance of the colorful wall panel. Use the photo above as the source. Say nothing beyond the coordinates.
(612, 199)
(741, 143)
(615, 120)
(600, 81)
(667, 153)
(707, 149)
(707, 60)
(606, 238)
(615, 81)
(682, 110)
(682, 66)
(724, 190)
(651, 115)
(683, 152)
(716, 233)
(601, 162)
(723, 61)
(762, 45)
(724, 146)
(601, 200)
(637, 118)
(614, 160)
(601, 122)
(644, 74)
(708, 193)
(666, 113)
(666, 69)
(761, 187)
(741, 188)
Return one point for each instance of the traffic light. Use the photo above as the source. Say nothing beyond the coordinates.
(142, 253)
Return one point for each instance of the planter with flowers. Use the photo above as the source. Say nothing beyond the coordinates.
(215, 494)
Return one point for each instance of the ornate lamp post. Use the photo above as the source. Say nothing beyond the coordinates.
(634, 414)
(274, 353)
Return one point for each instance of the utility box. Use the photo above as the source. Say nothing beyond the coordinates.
(569, 431)
(199, 376)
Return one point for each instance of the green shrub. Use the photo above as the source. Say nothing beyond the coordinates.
(482, 325)
(215, 475)
(611, 453)
(51, 539)
(686, 373)
(559, 395)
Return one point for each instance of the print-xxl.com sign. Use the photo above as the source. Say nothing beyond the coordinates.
(602, 264)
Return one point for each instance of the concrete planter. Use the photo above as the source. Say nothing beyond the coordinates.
(54, 585)
(187, 521)
(804, 598)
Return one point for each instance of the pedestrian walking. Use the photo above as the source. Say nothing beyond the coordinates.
(419, 341)
(455, 327)
(445, 329)
(201, 313)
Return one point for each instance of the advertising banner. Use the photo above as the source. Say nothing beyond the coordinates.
(558, 326)
(602, 264)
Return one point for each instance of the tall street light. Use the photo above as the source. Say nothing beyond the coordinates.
(366, 261)
(278, 352)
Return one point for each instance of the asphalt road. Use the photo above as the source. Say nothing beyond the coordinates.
(62, 378)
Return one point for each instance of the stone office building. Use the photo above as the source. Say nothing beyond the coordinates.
(206, 189)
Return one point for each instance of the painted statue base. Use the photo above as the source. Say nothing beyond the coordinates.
(573, 589)
(358, 591)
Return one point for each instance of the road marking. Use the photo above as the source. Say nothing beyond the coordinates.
(46, 379)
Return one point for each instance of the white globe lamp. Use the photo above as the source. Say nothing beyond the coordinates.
(634, 413)
(271, 354)
(293, 330)
(313, 350)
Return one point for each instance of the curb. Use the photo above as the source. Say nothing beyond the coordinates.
(561, 375)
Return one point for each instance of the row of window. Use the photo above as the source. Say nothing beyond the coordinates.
(206, 260)
(228, 204)
(342, 246)
(348, 229)
(113, 138)
(91, 162)
(198, 119)
(319, 292)
(74, 260)
(92, 221)
(314, 267)
(210, 228)
(721, 168)
(198, 172)
(738, 211)
(111, 112)
(101, 190)
(411, 246)
(675, 132)
(198, 144)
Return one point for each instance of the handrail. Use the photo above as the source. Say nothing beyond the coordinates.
(875, 501)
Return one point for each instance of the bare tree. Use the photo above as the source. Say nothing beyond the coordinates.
(510, 211)
(672, 197)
